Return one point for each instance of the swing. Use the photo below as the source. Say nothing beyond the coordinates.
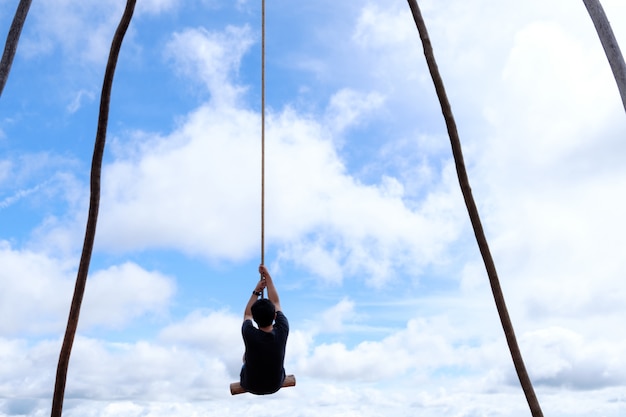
(290, 380)
(236, 388)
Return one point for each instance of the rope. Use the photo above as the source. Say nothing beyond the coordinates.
(263, 135)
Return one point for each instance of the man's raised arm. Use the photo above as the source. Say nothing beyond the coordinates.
(258, 290)
(272, 294)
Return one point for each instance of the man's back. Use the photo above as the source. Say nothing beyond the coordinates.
(263, 371)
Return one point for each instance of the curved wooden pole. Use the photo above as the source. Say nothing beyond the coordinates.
(466, 190)
(92, 219)
(13, 37)
(610, 45)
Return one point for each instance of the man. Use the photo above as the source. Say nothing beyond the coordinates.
(263, 369)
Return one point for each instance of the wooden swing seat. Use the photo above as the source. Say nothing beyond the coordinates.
(236, 388)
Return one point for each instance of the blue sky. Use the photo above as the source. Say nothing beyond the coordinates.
(367, 237)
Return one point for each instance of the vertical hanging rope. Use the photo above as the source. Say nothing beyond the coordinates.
(263, 135)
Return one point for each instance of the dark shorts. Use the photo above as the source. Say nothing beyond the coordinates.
(243, 381)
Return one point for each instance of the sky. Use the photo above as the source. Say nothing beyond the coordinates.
(366, 233)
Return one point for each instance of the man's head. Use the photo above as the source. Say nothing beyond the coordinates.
(263, 312)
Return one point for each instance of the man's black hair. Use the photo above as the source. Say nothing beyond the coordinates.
(263, 312)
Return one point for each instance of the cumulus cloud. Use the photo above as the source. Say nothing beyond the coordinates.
(27, 369)
(157, 6)
(79, 28)
(309, 192)
(34, 291)
(544, 145)
(381, 27)
(212, 58)
(143, 370)
(113, 371)
(545, 168)
(216, 331)
(420, 347)
(347, 108)
(82, 28)
(120, 294)
(179, 196)
(333, 319)
(562, 358)
(216, 334)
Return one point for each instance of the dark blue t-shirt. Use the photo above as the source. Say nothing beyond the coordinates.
(263, 371)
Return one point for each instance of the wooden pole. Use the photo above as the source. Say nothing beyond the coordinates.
(610, 45)
(13, 37)
(466, 190)
(92, 218)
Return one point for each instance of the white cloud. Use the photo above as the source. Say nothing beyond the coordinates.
(78, 100)
(420, 366)
(548, 179)
(122, 293)
(212, 58)
(20, 194)
(216, 331)
(209, 169)
(560, 357)
(142, 370)
(337, 319)
(194, 190)
(157, 6)
(421, 347)
(112, 371)
(81, 29)
(28, 371)
(543, 149)
(556, 75)
(216, 334)
(371, 231)
(34, 291)
(380, 27)
(333, 318)
(348, 108)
